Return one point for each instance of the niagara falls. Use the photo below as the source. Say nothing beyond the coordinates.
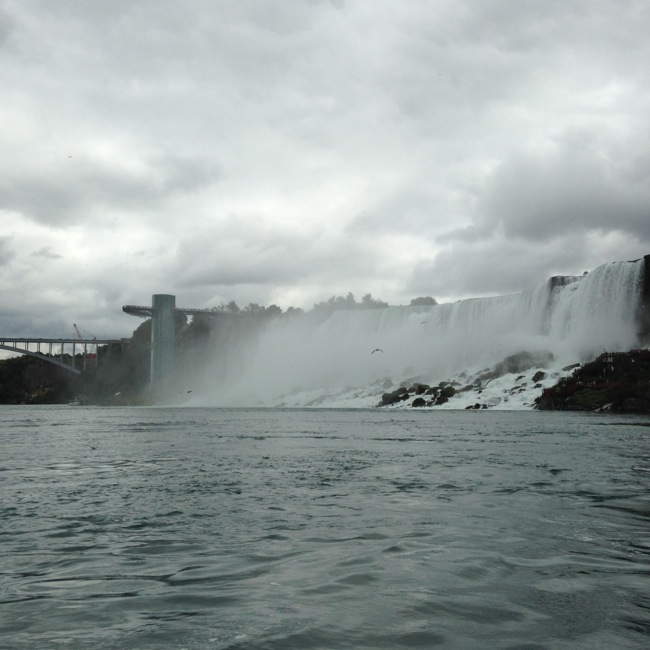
(324, 325)
(316, 360)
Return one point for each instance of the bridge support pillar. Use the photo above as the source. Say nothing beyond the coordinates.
(163, 336)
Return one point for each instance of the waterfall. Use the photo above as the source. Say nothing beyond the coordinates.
(572, 318)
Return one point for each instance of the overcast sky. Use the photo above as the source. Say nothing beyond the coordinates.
(285, 151)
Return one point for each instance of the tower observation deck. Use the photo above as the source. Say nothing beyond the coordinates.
(163, 334)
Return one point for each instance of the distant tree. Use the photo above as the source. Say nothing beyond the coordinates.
(348, 302)
(426, 301)
(180, 320)
(199, 327)
(368, 302)
(26, 380)
(274, 310)
(232, 307)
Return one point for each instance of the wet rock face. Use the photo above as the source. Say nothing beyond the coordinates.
(539, 375)
(643, 315)
(515, 364)
(618, 382)
(399, 395)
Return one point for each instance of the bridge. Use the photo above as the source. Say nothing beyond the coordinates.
(56, 350)
(163, 339)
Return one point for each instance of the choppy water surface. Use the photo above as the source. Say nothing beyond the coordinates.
(212, 528)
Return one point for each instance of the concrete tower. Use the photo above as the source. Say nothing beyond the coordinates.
(163, 336)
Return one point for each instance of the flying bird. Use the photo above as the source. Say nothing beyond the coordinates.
(377, 350)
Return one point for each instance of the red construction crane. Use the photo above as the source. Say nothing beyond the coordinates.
(89, 355)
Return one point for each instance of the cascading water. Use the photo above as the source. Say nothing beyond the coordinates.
(599, 312)
(572, 318)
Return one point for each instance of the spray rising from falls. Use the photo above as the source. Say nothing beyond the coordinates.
(347, 352)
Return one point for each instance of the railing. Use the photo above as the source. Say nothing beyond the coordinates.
(146, 311)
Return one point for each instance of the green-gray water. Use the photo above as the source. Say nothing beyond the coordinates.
(215, 528)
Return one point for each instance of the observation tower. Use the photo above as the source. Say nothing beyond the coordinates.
(163, 331)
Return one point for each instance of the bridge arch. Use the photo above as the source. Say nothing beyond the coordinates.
(42, 357)
(22, 346)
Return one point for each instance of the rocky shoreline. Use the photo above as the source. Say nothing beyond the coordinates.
(617, 382)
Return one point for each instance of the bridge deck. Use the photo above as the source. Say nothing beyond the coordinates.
(145, 311)
(23, 345)
(17, 339)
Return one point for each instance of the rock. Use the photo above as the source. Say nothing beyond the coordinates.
(447, 392)
(515, 363)
(419, 402)
(539, 375)
(613, 381)
(395, 396)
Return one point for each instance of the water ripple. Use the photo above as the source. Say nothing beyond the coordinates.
(198, 528)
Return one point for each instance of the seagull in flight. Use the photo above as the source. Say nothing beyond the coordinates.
(377, 350)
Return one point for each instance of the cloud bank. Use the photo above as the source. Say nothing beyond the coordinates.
(284, 152)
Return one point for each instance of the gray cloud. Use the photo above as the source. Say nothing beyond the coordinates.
(6, 27)
(542, 197)
(66, 194)
(285, 152)
(253, 255)
(583, 185)
(46, 252)
(494, 267)
(6, 254)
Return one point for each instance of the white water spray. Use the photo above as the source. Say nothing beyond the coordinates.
(574, 319)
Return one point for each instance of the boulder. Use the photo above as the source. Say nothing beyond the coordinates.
(447, 392)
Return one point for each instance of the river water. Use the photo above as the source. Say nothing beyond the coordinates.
(216, 528)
